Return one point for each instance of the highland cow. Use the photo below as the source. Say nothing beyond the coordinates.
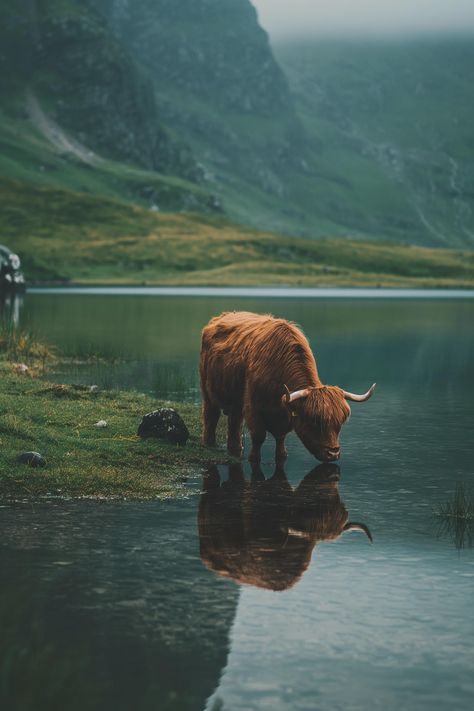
(261, 369)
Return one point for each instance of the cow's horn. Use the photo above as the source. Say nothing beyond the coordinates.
(298, 534)
(360, 398)
(353, 526)
(291, 397)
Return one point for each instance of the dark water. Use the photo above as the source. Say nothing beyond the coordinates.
(245, 596)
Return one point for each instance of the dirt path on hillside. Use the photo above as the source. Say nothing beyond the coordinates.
(55, 135)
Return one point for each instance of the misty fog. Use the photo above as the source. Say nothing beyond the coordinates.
(365, 18)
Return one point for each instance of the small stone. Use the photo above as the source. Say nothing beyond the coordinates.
(33, 459)
(165, 424)
(101, 424)
(21, 368)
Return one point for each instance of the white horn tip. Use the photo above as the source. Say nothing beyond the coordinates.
(360, 398)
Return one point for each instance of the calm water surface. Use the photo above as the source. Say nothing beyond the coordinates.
(242, 595)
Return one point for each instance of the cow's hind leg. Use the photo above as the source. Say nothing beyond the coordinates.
(234, 433)
(210, 418)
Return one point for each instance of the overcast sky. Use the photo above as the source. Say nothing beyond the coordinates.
(283, 18)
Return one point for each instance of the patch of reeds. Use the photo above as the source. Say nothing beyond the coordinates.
(456, 517)
(23, 346)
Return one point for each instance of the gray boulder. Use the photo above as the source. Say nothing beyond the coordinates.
(33, 459)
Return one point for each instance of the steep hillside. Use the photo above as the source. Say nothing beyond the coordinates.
(68, 57)
(218, 84)
(189, 89)
(46, 155)
(78, 111)
(393, 128)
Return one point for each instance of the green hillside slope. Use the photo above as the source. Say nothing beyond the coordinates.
(26, 154)
(67, 236)
(393, 128)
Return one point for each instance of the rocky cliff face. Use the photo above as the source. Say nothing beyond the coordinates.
(91, 85)
(214, 50)
(219, 86)
(186, 87)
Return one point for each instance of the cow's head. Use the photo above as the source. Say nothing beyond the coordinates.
(319, 413)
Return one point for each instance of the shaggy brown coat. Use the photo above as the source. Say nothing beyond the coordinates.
(247, 360)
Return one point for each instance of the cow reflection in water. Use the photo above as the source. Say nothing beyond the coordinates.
(262, 532)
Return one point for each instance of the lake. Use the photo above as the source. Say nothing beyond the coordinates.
(241, 595)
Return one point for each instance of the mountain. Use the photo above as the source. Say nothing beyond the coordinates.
(185, 105)
(218, 84)
(91, 86)
(187, 89)
(392, 123)
(212, 50)
(78, 110)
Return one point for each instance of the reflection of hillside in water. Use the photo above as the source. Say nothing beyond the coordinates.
(262, 532)
(109, 607)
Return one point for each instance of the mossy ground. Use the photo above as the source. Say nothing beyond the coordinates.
(82, 460)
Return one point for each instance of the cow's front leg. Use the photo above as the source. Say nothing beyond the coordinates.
(234, 434)
(257, 429)
(257, 441)
(281, 452)
(257, 474)
(257, 435)
(210, 418)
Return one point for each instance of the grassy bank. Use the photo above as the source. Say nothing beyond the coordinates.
(74, 237)
(59, 422)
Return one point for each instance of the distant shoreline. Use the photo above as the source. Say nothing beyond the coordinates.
(257, 292)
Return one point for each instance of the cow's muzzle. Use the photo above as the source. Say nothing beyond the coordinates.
(331, 454)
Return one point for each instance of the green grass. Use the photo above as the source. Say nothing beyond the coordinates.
(83, 461)
(63, 235)
(26, 156)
